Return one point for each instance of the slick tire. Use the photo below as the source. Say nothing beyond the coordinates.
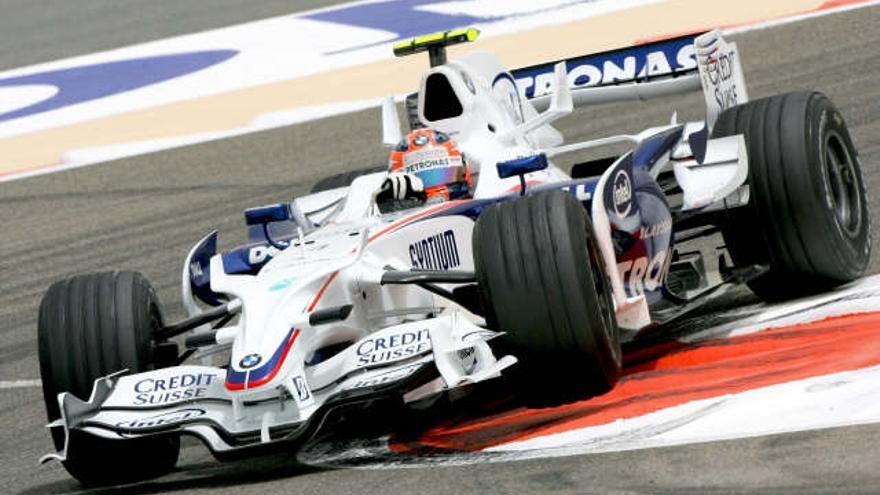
(543, 282)
(807, 217)
(343, 179)
(91, 326)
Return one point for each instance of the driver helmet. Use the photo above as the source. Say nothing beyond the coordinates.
(435, 159)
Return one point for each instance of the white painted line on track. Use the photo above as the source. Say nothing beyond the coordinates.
(861, 296)
(841, 399)
(255, 63)
(9, 384)
(232, 58)
(80, 157)
(829, 401)
(799, 17)
(77, 158)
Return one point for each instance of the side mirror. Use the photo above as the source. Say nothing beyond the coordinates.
(521, 167)
(262, 215)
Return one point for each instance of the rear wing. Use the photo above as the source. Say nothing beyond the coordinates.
(666, 67)
(611, 75)
(662, 68)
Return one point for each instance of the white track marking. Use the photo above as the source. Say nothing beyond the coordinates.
(88, 156)
(840, 399)
(799, 17)
(7, 384)
(861, 296)
(269, 50)
(77, 158)
(257, 64)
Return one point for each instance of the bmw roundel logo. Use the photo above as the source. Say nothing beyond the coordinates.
(250, 361)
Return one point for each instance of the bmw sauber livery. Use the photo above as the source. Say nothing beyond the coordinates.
(332, 304)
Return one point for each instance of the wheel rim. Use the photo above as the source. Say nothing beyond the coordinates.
(156, 322)
(605, 305)
(843, 185)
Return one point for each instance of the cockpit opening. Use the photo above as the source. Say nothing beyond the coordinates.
(440, 99)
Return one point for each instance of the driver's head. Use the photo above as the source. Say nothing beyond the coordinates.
(436, 160)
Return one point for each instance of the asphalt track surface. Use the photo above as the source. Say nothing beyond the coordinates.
(144, 213)
(34, 31)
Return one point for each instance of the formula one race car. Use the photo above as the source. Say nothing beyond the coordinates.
(542, 274)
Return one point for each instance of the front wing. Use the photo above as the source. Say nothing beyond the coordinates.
(193, 399)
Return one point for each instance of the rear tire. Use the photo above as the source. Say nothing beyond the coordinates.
(91, 326)
(807, 217)
(543, 282)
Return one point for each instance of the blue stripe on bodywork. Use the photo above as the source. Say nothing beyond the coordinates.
(236, 377)
(582, 189)
(200, 270)
(651, 149)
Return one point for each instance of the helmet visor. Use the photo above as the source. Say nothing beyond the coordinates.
(435, 166)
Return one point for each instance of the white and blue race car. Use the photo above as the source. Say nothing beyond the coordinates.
(540, 276)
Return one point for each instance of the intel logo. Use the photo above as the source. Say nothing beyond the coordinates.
(622, 193)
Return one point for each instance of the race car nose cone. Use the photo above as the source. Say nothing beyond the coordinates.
(250, 361)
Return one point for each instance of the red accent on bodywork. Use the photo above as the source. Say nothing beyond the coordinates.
(288, 345)
(518, 187)
(408, 220)
(266, 379)
(320, 293)
(400, 223)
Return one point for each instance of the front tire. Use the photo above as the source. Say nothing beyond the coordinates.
(91, 326)
(807, 217)
(543, 282)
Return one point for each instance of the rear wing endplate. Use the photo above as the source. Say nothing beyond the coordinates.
(662, 68)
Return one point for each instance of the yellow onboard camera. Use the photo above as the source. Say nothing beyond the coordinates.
(435, 44)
